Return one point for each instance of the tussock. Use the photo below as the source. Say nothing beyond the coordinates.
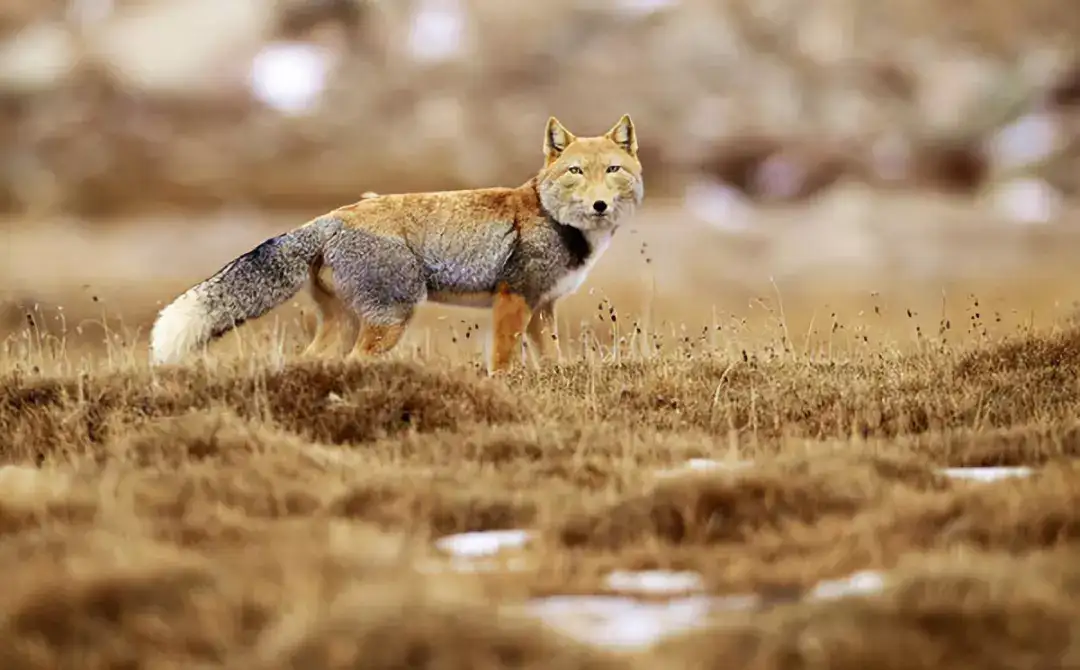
(148, 618)
(944, 614)
(236, 516)
(1025, 444)
(413, 625)
(728, 507)
(440, 508)
(328, 403)
(1059, 352)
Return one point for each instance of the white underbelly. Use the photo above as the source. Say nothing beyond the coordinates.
(481, 300)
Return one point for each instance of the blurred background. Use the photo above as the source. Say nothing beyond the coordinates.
(819, 150)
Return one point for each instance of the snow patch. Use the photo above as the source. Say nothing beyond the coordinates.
(980, 474)
(483, 543)
(705, 464)
(654, 581)
(860, 583)
(624, 623)
(987, 474)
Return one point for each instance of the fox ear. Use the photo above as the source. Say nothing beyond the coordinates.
(556, 139)
(622, 133)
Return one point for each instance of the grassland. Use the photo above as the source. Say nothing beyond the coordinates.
(253, 511)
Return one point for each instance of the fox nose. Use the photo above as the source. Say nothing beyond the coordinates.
(599, 206)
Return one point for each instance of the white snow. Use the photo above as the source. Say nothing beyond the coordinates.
(654, 581)
(708, 464)
(705, 464)
(483, 543)
(981, 474)
(859, 583)
(622, 621)
(987, 474)
(625, 623)
(619, 621)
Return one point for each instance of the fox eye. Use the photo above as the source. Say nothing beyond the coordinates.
(613, 168)
(573, 169)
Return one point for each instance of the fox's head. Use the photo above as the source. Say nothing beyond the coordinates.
(591, 183)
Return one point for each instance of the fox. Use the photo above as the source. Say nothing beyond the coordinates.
(368, 265)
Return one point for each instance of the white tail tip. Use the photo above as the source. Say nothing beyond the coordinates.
(181, 327)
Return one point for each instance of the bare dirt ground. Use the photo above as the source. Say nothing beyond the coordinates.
(250, 511)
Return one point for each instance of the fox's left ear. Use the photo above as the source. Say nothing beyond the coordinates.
(623, 134)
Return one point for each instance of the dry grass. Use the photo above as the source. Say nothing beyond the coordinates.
(252, 511)
(251, 514)
(962, 611)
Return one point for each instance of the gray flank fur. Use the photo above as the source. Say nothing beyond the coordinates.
(382, 278)
(376, 276)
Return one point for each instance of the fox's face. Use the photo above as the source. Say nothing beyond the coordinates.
(591, 183)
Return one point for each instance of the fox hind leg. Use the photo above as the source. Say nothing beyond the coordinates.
(336, 323)
(376, 339)
(381, 325)
(381, 281)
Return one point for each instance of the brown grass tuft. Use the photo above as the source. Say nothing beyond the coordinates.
(438, 507)
(1014, 516)
(729, 507)
(407, 625)
(147, 618)
(329, 403)
(32, 498)
(1024, 444)
(944, 614)
(197, 437)
(1057, 354)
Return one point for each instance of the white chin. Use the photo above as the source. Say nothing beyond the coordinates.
(591, 222)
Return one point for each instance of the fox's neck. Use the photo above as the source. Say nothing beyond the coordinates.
(581, 245)
(533, 188)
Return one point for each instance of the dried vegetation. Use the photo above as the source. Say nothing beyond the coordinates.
(236, 514)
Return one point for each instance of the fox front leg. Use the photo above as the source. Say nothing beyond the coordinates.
(510, 317)
(542, 327)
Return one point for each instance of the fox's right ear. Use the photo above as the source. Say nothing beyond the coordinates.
(556, 139)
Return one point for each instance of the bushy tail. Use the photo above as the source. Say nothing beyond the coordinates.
(245, 289)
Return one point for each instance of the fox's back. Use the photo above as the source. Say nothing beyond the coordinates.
(463, 239)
